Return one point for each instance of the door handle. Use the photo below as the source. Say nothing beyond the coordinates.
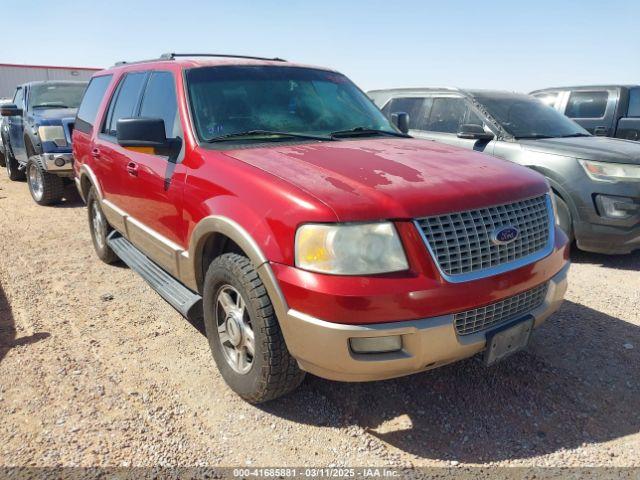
(132, 169)
(601, 131)
(95, 153)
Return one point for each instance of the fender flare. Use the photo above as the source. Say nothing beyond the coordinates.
(86, 174)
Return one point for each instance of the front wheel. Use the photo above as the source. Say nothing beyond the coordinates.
(244, 333)
(45, 188)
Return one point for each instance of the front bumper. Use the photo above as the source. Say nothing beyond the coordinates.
(58, 163)
(322, 348)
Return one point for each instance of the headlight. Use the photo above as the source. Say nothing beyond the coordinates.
(359, 249)
(53, 134)
(610, 172)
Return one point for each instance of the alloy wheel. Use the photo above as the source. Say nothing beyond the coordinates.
(35, 181)
(235, 332)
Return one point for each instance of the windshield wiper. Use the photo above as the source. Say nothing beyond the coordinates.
(255, 133)
(575, 135)
(358, 131)
(51, 105)
(533, 137)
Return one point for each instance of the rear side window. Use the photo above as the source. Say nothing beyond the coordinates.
(91, 100)
(634, 102)
(159, 101)
(125, 101)
(587, 104)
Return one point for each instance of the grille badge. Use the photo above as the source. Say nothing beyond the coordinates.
(504, 235)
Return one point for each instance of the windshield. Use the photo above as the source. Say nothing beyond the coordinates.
(235, 99)
(527, 117)
(56, 95)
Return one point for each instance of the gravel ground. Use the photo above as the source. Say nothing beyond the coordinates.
(96, 370)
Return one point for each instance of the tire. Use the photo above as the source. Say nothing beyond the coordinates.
(11, 165)
(564, 217)
(100, 229)
(45, 188)
(231, 281)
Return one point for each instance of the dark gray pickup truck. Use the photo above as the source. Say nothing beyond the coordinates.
(606, 110)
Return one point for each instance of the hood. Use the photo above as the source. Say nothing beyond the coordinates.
(50, 115)
(370, 179)
(602, 149)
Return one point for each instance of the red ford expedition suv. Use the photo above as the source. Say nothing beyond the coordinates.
(277, 202)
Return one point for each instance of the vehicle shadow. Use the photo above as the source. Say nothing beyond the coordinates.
(629, 261)
(8, 338)
(71, 199)
(578, 382)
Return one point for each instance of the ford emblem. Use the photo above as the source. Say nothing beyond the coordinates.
(504, 235)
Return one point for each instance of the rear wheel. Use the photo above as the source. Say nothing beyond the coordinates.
(45, 187)
(564, 217)
(11, 164)
(99, 228)
(244, 333)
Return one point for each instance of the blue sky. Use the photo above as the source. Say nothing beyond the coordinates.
(467, 43)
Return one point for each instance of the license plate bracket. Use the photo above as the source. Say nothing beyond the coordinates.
(508, 339)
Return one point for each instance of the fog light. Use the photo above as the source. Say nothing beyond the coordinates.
(59, 162)
(616, 207)
(388, 344)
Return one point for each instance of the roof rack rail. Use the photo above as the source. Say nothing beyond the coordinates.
(172, 55)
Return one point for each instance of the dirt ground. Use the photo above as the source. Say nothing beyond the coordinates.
(97, 370)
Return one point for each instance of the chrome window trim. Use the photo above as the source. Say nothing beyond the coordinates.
(498, 269)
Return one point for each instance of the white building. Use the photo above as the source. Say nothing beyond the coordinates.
(12, 75)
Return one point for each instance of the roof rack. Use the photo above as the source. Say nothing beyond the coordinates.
(172, 56)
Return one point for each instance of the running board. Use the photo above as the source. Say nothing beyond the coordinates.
(185, 301)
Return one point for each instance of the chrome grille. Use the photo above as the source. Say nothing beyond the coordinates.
(482, 318)
(461, 242)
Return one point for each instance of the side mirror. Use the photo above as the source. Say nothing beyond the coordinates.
(401, 120)
(142, 132)
(10, 110)
(473, 131)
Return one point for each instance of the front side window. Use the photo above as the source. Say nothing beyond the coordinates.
(91, 100)
(124, 102)
(449, 113)
(56, 95)
(587, 104)
(159, 101)
(523, 117)
(228, 100)
(417, 108)
(18, 98)
(634, 102)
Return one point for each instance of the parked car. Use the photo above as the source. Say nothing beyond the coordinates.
(278, 202)
(595, 180)
(607, 110)
(37, 136)
(3, 101)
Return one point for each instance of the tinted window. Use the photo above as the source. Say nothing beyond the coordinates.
(56, 95)
(587, 104)
(235, 99)
(447, 114)
(159, 101)
(91, 102)
(125, 101)
(417, 108)
(634, 102)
